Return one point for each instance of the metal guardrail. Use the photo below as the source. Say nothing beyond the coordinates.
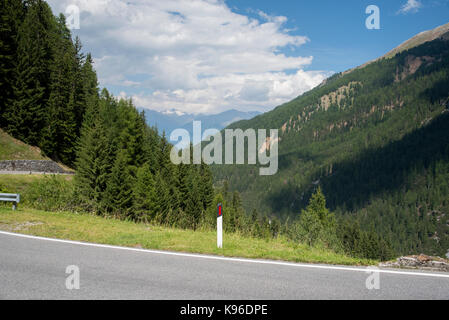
(11, 197)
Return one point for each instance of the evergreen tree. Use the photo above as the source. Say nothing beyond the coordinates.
(145, 195)
(183, 185)
(92, 163)
(11, 13)
(206, 185)
(79, 83)
(164, 200)
(60, 133)
(89, 84)
(119, 190)
(194, 208)
(317, 223)
(26, 118)
(131, 133)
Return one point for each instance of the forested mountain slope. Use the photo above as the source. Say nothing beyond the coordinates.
(46, 81)
(50, 101)
(377, 142)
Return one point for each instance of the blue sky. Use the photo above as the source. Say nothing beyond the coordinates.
(339, 39)
(208, 56)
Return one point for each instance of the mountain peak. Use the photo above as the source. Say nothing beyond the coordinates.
(419, 39)
(173, 111)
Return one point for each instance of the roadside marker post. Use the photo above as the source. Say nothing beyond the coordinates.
(220, 226)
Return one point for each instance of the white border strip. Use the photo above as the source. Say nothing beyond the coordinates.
(190, 255)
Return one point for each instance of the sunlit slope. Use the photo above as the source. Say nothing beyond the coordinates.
(13, 149)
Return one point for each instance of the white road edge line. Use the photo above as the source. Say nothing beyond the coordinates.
(201, 256)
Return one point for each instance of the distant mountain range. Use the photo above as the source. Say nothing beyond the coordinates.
(172, 119)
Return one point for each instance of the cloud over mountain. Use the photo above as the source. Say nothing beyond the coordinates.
(192, 55)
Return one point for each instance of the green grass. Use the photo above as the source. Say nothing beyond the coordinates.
(89, 228)
(13, 149)
(20, 183)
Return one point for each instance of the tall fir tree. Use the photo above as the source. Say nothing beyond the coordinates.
(194, 207)
(60, 133)
(12, 14)
(317, 223)
(26, 118)
(119, 190)
(145, 195)
(163, 204)
(89, 81)
(93, 162)
(79, 93)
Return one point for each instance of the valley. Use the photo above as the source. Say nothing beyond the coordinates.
(375, 139)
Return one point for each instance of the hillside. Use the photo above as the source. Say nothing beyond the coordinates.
(13, 149)
(375, 139)
(419, 39)
(415, 41)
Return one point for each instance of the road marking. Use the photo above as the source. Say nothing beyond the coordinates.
(201, 256)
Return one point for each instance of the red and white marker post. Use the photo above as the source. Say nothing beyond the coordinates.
(220, 225)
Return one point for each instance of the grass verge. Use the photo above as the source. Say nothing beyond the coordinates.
(89, 228)
(20, 183)
(13, 149)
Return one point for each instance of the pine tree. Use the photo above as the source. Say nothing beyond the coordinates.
(60, 133)
(151, 147)
(193, 207)
(12, 14)
(317, 205)
(79, 93)
(119, 190)
(317, 223)
(89, 95)
(93, 162)
(145, 195)
(164, 156)
(132, 133)
(164, 206)
(183, 185)
(26, 118)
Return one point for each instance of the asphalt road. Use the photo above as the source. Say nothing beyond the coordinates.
(33, 268)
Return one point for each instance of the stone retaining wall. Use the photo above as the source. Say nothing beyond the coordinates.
(41, 166)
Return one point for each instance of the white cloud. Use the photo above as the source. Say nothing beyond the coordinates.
(412, 6)
(192, 55)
